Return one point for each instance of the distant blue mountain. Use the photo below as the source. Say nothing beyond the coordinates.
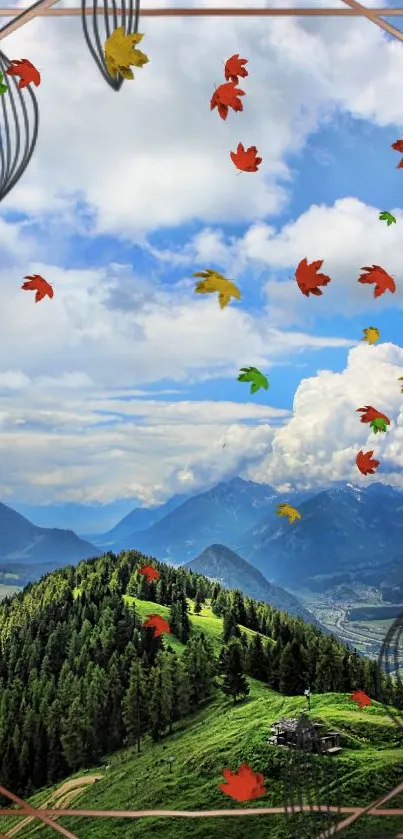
(83, 518)
(37, 549)
(220, 515)
(341, 529)
(140, 518)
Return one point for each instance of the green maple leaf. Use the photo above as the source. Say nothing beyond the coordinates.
(3, 87)
(378, 424)
(252, 374)
(385, 215)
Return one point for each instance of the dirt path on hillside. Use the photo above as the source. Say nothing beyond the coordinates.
(60, 798)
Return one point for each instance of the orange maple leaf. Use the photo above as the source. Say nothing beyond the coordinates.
(227, 96)
(243, 785)
(365, 464)
(398, 146)
(383, 281)
(308, 279)
(149, 572)
(38, 284)
(360, 697)
(26, 71)
(234, 67)
(246, 160)
(369, 414)
(157, 623)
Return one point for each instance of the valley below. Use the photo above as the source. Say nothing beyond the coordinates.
(341, 615)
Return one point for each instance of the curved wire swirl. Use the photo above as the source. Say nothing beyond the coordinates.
(121, 17)
(391, 653)
(17, 142)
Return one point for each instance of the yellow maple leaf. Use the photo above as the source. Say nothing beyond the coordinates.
(287, 510)
(120, 53)
(371, 335)
(213, 281)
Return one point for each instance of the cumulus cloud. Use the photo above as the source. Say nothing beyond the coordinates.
(319, 443)
(119, 448)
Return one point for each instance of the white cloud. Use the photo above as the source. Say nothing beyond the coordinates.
(153, 154)
(319, 444)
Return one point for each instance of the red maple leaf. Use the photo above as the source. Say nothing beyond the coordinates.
(365, 464)
(227, 96)
(157, 623)
(360, 697)
(243, 785)
(383, 281)
(369, 414)
(38, 284)
(398, 146)
(246, 160)
(234, 67)
(26, 71)
(308, 279)
(149, 572)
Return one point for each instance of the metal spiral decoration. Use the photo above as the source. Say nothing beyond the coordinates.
(391, 659)
(311, 779)
(127, 16)
(19, 123)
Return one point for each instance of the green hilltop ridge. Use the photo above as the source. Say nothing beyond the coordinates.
(83, 684)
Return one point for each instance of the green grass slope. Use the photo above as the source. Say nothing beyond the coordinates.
(223, 735)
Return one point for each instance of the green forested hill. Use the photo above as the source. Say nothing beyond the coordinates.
(81, 679)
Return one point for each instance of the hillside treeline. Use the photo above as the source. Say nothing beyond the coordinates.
(80, 676)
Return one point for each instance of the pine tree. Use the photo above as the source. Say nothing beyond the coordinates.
(234, 681)
(134, 705)
(230, 627)
(292, 678)
(180, 690)
(197, 603)
(256, 659)
(160, 696)
(198, 658)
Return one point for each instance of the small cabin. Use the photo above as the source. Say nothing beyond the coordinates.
(299, 734)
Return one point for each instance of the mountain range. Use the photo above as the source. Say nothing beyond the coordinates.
(342, 529)
(24, 545)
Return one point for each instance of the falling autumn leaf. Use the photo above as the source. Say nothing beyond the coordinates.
(121, 53)
(253, 375)
(378, 424)
(38, 284)
(308, 279)
(365, 464)
(385, 215)
(400, 379)
(246, 160)
(360, 697)
(213, 281)
(287, 510)
(398, 146)
(243, 785)
(227, 96)
(26, 71)
(235, 67)
(157, 623)
(377, 275)
(369, 414)
(149, 572)
(371, 335)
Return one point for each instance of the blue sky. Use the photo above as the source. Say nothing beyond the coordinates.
(123, 388)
